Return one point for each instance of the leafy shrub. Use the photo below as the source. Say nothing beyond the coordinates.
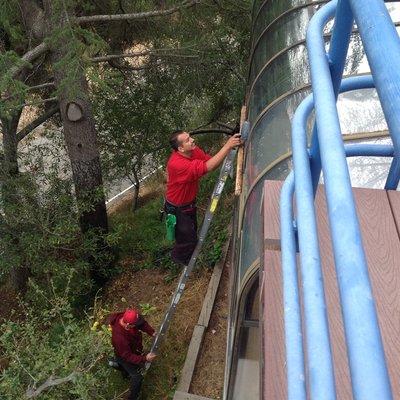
(51, 343)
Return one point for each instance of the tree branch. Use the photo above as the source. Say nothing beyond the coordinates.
(31, 393)
(225, 125)
(29, 57)
(136, 16)
(211, 130)
(140, 54)
(43, 47)
(41, 86)
(37, 87)
(34, 124)
(35, 103)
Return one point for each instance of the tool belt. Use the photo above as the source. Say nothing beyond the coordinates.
(174, 209)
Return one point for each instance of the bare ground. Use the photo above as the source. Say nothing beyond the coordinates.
(208, 378)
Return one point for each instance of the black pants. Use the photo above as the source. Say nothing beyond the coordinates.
(185, 231)
(135, 376)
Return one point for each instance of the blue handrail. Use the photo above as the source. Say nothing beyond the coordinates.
(363, 338)
(369, 374)
(291, 297)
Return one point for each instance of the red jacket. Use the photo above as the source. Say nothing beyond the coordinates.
(183, 176)
(128, 343)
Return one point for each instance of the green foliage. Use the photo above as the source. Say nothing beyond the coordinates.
(50, 342)
(142, 235)
(78, 45)
(15, 90)
(193, 76)
(9, 21)
(147, 309)
(40, 231)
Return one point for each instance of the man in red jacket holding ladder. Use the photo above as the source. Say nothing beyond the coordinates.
(126, 339)
(186, 165)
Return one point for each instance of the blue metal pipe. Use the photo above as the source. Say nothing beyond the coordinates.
(369, 150)
(319, 357)
(291, 299)
(375, 25)
(294, 348)
(338, 48)
(370, 379)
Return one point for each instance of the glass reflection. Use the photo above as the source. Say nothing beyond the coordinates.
(287, 72)
(271, 137)
(251, 230)
(287, 31)
(246, 383)
(271, 10)
(370, 172)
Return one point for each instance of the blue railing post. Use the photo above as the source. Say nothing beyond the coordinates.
(296, 381)
(312, 281)
(382, 47)
(369, 375)
(338, 48)
(319, 357)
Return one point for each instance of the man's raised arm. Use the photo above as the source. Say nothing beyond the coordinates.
(216, 160)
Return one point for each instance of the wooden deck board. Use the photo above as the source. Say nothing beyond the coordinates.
(272, 190)
(380, 237)
(273, 342)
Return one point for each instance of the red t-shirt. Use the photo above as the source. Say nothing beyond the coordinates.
(183, 176)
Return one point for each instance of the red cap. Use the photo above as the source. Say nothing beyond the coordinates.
(130, 316)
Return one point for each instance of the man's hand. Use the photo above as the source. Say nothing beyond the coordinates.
(150, 357)
(234, 141)
(215, 161)
(154, 334)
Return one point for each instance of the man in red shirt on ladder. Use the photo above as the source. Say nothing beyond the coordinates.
(186, 165)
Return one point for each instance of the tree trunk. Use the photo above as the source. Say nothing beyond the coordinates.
(10, 144)
(19, 274)
(82, 146)
(81, 141)
(135, 199)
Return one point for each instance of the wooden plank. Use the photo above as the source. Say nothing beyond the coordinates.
(382, 247)
(240, 157)
(394, 201)
(212, 289)
(191, 358)
(273, 343)
(204, 319)
(272, 190)
(209, 299)
(188, 396)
